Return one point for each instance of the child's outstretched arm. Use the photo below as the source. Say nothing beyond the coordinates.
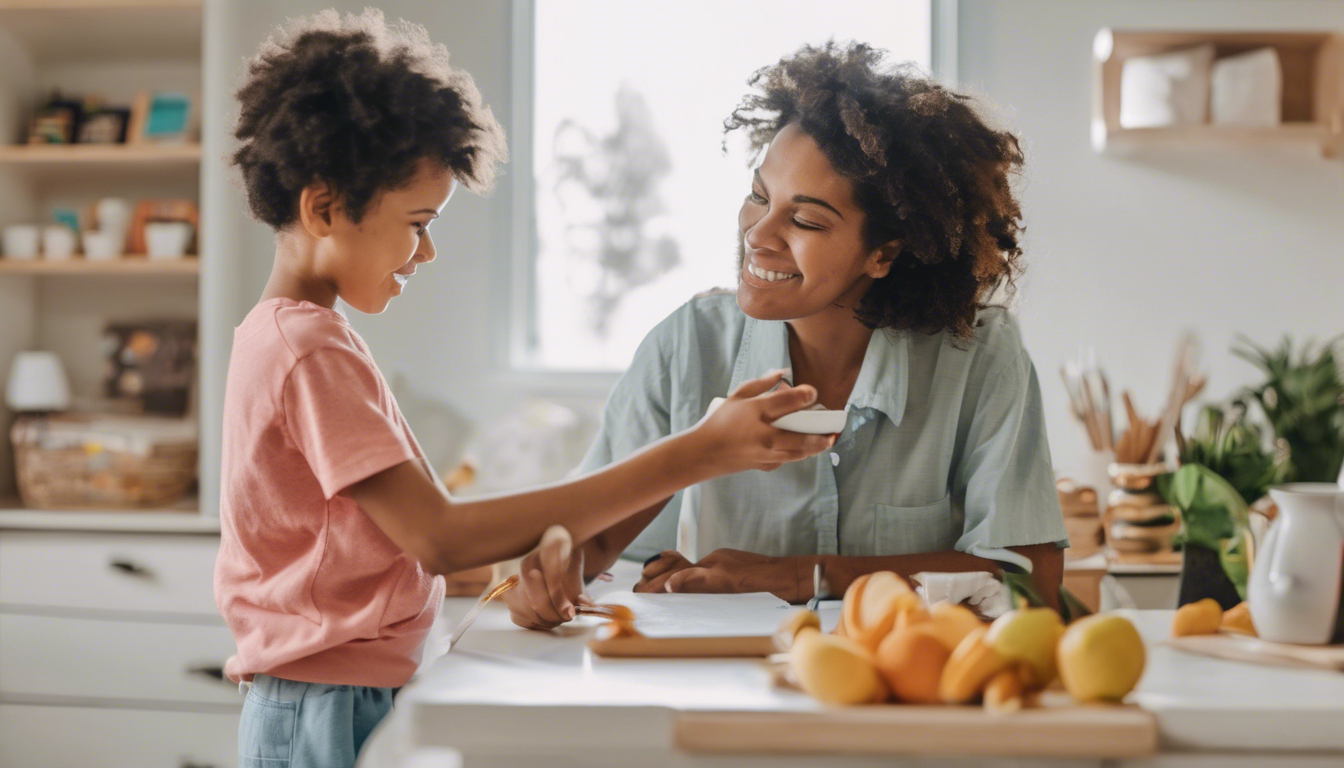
(447, 535)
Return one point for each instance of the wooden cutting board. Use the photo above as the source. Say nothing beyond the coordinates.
(683, 647)
(1067, 730)
(1253, 649)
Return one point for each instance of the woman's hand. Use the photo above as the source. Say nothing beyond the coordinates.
(550, 584)
(739, 436)
(659, 568)
(728, 570)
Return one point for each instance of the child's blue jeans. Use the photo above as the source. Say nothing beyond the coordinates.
(288, 724)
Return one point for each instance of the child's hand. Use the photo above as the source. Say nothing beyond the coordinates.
(550, 583)
(739, 436)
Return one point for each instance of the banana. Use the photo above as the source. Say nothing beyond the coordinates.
(1003, 694)
(797, 622)
(970, 667)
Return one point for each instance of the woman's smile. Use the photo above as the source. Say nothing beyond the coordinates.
(765, 278)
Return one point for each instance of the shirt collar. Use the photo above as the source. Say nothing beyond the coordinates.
(883, 379)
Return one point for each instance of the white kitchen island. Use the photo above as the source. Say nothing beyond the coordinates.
(510, 697)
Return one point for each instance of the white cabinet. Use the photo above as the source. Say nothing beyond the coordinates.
(112, 651)
(92, 571)
(83, 737)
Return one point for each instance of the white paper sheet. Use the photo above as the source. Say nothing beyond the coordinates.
(751, 614)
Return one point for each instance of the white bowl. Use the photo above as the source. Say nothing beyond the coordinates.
(58, 242)
(167, 239)
(22, 241)
(102, 246)
(817, 421)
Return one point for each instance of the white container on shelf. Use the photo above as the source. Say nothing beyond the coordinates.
(58, 242)
(21, 241)
(101, 245)
(167, 239)
(113, 214)
(37, 382)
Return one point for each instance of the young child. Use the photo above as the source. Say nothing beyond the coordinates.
(353, 137)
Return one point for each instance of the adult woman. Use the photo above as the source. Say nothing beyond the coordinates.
(879, 225)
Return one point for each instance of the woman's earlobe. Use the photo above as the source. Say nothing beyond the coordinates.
(883, 258)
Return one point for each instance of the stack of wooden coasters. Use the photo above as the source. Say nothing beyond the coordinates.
(1139, 526)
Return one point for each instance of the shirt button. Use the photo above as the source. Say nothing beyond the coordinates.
(835, 459)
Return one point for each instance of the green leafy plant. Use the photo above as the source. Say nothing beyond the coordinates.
(1224, 464)
(1234, 450)
(1303, 398)
(1213, 516)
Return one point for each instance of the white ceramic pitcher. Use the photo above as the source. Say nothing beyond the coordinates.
(1295, 584)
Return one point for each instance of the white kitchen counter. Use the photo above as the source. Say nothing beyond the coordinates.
(507, 696)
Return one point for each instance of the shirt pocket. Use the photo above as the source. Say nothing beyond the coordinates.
(910, 530)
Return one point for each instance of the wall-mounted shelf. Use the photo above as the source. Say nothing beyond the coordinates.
(1312, 103)
(107, 30)
(129, 266)
(180, 518)
(107, 155)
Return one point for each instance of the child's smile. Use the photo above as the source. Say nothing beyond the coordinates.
(372, 261)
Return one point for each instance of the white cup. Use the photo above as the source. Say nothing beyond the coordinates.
(21, 241)
(167, 239)
(100, 245)
(113, 214)
(58, 242)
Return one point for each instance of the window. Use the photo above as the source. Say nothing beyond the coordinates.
(619, 171)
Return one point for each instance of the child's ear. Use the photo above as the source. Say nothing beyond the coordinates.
(316, 203)
(881, 259)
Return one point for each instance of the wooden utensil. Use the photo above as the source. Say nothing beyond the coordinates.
(1108, 424)
(1254, 649)
(470, 618)
(1176, 397)
(1076, 402)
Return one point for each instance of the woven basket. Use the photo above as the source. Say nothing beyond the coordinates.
(97, 474)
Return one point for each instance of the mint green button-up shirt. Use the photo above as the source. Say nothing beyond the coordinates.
(944, 447)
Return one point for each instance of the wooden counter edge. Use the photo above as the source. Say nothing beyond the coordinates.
(1076, 731)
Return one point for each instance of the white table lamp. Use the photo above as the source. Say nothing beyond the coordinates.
(37, 383)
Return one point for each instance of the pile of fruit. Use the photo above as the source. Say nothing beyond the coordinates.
(1207, 617)
(890, 645)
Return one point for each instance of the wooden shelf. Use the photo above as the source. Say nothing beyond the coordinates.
(104, 30)
(100, 154)
(127, 265)
(1312, 103)
(1306, 136)
(94, 5)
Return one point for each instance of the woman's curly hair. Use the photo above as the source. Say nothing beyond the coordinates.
(356, 104)
(926, 170)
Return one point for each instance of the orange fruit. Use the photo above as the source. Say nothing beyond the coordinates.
(1202, 617)
(912, 660)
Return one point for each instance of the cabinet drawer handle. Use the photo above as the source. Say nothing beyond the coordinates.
(131, 569)
(209, 671)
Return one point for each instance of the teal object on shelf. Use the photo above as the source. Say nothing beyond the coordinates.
(168, 115)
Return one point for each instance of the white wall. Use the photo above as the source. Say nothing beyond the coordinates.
(1123, 254)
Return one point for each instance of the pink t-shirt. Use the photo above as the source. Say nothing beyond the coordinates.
(311, 588)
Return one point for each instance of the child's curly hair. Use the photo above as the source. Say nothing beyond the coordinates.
(926, 170)
(358, 105)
